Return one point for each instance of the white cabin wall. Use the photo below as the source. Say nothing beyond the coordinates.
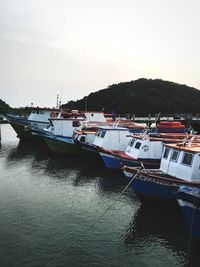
(64, 127)
(155, 149)
(58, 127)
(68, 129)
(98, 140)
(114, 139)
(89, 138)
(148, 149)
(196, 168)
(117, 140)
(165, 163)
(177, 169)
(134, 152)
(97, 117)
(40, 117)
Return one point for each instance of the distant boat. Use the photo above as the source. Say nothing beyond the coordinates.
(179, 166)
(60, 138)
(189, 201)
(39, 118)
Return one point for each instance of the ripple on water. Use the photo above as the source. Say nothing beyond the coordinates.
(51, 212)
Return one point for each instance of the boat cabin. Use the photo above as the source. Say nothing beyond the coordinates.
(84, 136)
(144, 148)
(42, 114)
(67, 122)
(113, 138)
(66, 127)
(182, 161)
(94, 116)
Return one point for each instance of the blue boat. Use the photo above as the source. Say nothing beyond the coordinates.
(110, 137)
(189, 201)
(179, 166)
(143, 148)
(115, 160)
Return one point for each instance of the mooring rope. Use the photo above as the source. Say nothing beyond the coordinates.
(190, 234)
(97, 220)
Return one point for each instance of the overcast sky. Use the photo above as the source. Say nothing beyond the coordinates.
(75, 47)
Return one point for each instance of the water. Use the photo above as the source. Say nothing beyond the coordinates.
(51, 214)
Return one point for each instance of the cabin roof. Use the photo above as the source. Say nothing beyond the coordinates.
(193, 147)
(162, 138)
(89, 112)
(111, 128)
(66, 119)
(79, 132)
(46, 109)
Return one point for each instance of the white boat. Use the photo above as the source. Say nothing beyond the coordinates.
(59, 138)
(141, 148)
(179, 166)
(39, 118)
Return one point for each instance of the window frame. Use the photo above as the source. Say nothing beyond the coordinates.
(177, 156)
(185, 164)
(132, 142)
(166, 149)
(139, 145)
(103, 133)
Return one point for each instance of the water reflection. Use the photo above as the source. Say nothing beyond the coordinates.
(85, 172)
(51, 194)
(159, 229)
(81, 170)
(26, 148)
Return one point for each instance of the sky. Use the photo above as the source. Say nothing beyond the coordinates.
(75, 47)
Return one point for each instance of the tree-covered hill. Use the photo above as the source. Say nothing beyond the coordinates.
(142, 97)
(4, 106)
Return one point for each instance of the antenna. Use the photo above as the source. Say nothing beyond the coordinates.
(86, 103)
(57, 104)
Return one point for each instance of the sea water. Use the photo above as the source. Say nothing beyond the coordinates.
(69, 211)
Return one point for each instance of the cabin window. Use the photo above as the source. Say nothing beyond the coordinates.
(137, 145)
(131, 143)
(166, 153)
(76, 124)
(187, 159)
(175, 155)
(103, 134)
(82, 139)
(98, 133)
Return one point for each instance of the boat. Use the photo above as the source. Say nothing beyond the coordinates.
(146, 147)
(179, 167)
(38, 119)
(59, 138)
(188, 199)
(171, 127)
(109, 137)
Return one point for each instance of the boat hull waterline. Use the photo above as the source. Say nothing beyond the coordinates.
(154, 189)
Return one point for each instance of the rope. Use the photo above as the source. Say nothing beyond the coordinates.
(98, 219)
(190, 235)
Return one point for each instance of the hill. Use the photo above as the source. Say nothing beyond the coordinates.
(4, 106)
(142, 96)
